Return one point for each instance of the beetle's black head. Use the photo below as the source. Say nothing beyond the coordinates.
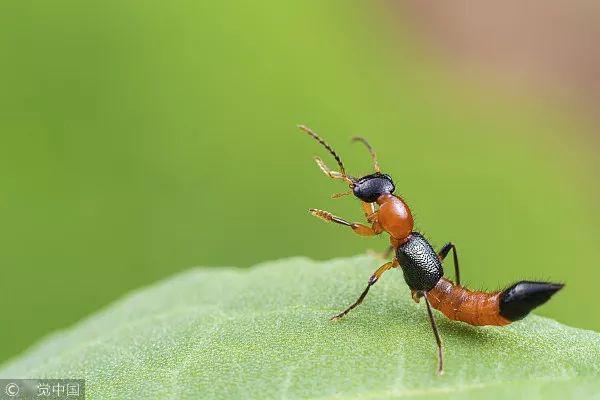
(370, 187)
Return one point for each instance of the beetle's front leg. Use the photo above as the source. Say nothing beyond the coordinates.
(359, 229)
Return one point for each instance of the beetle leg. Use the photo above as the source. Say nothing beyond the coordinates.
(372, 280)
(436, 333)
(360, 229)
(444, 252)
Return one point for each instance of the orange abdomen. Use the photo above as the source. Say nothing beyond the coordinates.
(461, 304)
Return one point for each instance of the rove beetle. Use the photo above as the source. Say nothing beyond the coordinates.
(420, 263)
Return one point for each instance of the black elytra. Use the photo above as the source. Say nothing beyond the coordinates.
(420, 263)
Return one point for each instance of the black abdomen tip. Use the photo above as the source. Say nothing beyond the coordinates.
(522, 297)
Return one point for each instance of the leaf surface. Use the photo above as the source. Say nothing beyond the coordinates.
(264, 332)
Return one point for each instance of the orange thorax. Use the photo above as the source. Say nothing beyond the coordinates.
(394, 216)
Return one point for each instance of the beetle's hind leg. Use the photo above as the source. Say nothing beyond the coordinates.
(444, 252)
(372, 280)
(436, 333)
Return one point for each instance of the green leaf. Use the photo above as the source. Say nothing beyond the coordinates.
(265, 333)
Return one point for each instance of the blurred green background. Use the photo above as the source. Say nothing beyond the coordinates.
(141, 138)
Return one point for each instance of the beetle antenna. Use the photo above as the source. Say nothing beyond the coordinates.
(338, 195)
(371, 151)
(318, 138)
